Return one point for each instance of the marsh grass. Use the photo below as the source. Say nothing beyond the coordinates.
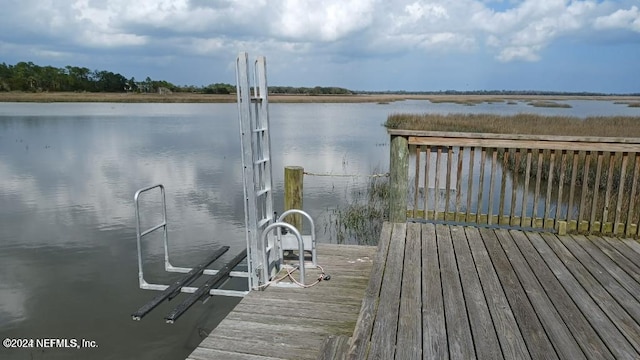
(549, 104)
(599, 126)
(461, 101)
(360, 220)
(184, 97)
(633, 104)
(469, 101)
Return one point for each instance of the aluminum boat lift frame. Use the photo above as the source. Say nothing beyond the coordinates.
(264, 238)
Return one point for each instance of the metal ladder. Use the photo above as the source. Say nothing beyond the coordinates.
(263, 246)
(168, 292)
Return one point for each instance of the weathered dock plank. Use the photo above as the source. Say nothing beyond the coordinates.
(608, 282)
(434, 331)
(509, 335)
(364, 326)
(586, 336)
(624, 278)
(271, 340)
(538, 343)
(558, 332)
(410, 319)
(383, 338)
(622, 248)
(632, 243)
(616, 313)
(208, 354)
(608, 332)
(292, 323)
(458, 328)
(334, 348)
(477, 308)
(630, 264)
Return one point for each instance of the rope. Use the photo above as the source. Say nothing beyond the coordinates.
(346, 175)
(289, 275)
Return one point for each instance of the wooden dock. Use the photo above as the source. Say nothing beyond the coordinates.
(449, 292)
(291, 323)
(452, 292)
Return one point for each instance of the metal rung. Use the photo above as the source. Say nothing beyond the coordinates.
(256, 99)
(263, 222)
(261, 161)
(175, 288)
(153, 229)
(203, 291)
(262, 192)
(260, 130)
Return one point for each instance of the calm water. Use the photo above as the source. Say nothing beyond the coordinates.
(67, 232)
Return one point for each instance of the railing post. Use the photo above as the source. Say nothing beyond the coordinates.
(398, 178)
(293, 180)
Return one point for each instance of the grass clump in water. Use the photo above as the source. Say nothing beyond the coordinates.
(360, 221)
(549, 104)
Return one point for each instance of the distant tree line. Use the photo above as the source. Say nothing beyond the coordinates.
(27, 76)
(318, 90)
(219, 88)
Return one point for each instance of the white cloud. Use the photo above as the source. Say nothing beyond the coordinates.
(527, 53)
(106, 40)
(417, 11)
(620, 19)
(520, 33)
(331, 21)
(199, 46)
(510, 30)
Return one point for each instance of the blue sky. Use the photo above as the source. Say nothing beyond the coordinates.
(551, 45)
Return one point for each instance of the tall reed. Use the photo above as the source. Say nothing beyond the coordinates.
(360, 220)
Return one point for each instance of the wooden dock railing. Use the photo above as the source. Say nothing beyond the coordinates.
(565, 183)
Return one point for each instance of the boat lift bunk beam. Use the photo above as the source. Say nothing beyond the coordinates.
(174, 289)
(168, 292)
(203, 292)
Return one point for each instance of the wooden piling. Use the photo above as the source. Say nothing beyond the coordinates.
(293, 181)
(399, 179)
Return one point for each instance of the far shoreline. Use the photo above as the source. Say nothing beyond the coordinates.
(87, 97)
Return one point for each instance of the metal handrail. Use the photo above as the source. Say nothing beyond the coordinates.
(263, 239)
(314, 260)
(140, 234)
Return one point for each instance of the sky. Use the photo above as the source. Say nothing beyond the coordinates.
(414, 45)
